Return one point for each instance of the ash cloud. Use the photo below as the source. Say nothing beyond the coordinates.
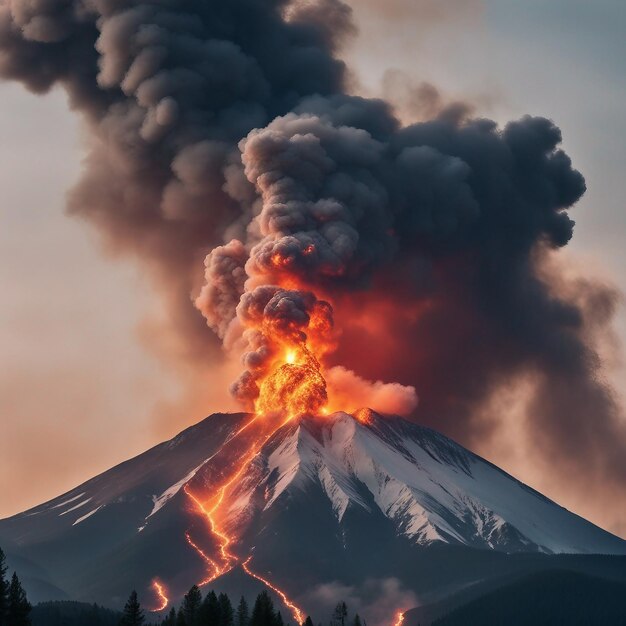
(224, 128)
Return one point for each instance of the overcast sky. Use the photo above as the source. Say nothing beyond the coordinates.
(63, 300)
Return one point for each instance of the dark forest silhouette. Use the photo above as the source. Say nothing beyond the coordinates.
(194, 610)
(551, 597)
(14, 606)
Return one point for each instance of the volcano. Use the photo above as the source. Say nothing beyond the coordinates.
(367, 505)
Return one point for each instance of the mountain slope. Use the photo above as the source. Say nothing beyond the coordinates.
(362, 502)
(430, 488)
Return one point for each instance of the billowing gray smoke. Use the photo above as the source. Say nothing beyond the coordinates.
(225, 128)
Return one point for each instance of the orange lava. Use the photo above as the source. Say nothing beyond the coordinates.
(363, 415)
(207, 559)
(210, 509)
(298, 615)
(399, 618)
(160, 591)
(295, 386)
(228, 560)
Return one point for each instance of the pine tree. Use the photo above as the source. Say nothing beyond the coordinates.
(4, 590)
(278, 619)
(210, 610)
(226, 616)
(133, 613)
(242, 618)
(94, 616)
(170, 620)
(340, 614)
(180, 618)
(308, 621)
(263, 611)
(356, 621)
(191, 606)
(18, 613)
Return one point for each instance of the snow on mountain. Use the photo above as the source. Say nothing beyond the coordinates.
(357, 498)
(429, 487)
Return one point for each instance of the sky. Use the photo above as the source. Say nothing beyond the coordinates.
(67, 415)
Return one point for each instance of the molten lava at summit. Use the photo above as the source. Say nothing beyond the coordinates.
(294, 387)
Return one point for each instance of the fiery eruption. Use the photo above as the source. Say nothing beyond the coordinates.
(228, 126)
(295, 387)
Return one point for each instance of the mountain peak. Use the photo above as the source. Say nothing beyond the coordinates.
(366, 492)
(425, 485)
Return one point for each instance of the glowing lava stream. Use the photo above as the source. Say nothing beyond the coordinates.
(157, 586)
(159, 590)
(208, 560)
(296, 612)
(399, 619)
(229, 560)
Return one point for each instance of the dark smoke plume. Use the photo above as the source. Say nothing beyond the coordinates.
(224, 127)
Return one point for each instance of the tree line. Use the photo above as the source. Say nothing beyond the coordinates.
(194, 610)
(218, 610)
(14, 605)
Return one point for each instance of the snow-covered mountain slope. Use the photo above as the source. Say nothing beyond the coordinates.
(429, 487)
(327, 500)
(139, 487)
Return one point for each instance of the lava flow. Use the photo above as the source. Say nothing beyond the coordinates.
(399, 619)
(206, 558)
(160, 591)
(297, 386)
(228, 559)
(297, 613)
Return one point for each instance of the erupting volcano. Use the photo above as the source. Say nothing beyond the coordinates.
(351, 259)
(377, 505)
(287, 335)
(293, 386)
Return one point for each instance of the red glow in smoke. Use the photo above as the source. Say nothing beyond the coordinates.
(399, 619)
(292, 385)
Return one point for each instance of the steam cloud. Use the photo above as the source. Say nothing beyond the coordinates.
(224, 128)
(378, 600)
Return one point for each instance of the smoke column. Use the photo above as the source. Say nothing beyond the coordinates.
(222, 132)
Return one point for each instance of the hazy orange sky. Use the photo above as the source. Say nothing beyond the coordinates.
(80, 390)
